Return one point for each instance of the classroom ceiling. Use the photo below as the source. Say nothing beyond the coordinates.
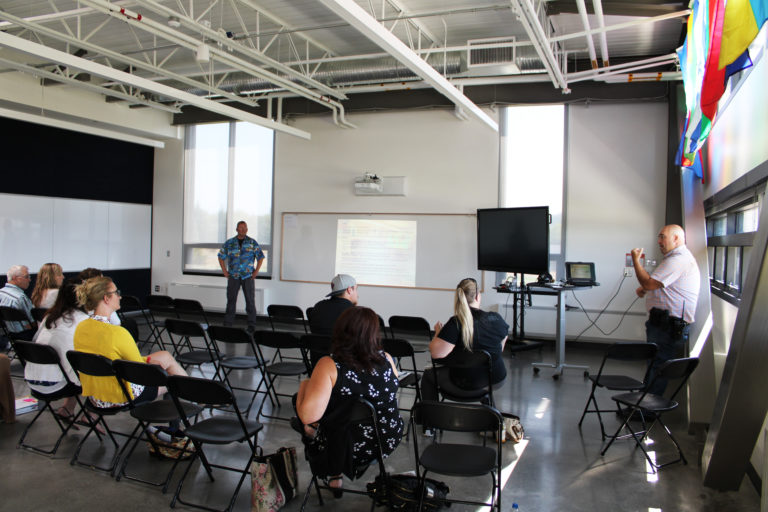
(230, 56)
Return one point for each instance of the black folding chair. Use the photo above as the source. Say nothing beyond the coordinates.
(146, 414)
(187, 353)
(318, 345)
(38, 314)
(10, 315)
(626, 352)
(413, 328)
(34, 353)
(159, 307)
(408, 378)
(354, 414)
(280, 342)
(289, 315)
(140, 316)
(476, 364)
(461, 460)
(192, 310)
(96, 366)
(217, 430)
(644, 403)
(237, 336)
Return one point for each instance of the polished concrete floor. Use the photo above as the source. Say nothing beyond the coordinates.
(556, 468)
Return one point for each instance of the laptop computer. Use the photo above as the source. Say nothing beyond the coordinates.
(579, 273)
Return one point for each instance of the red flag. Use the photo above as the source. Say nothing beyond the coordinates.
(714, 79)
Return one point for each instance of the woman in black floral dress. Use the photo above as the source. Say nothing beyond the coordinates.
(357, 367)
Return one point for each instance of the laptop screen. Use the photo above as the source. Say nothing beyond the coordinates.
(580, 272)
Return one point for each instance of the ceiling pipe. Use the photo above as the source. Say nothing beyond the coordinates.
(367, 25)
(35, 49)
(598, 7)
(585, 21)
(603, 74)
(638, 64)
(536, 34)
(61, 15)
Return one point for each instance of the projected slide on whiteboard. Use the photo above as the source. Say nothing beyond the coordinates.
(377, 251)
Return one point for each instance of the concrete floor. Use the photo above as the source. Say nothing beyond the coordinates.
(556, 467)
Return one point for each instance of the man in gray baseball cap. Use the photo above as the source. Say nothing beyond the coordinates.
(342, 297)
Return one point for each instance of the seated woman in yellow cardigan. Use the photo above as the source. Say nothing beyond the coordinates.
(97, 336)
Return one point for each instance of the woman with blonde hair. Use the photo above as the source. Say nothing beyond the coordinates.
(97, 336)
(470, 329)
(47, 285)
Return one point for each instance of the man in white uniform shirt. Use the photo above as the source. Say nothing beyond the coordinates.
(671, 293)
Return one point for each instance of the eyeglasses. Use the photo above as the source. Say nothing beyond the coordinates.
(116, 291)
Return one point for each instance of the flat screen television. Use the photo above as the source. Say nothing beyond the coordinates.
(513, 239)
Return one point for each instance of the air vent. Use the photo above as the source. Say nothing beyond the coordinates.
(492, 52)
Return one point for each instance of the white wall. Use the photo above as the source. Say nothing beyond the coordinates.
(615, 200)
(451, 167)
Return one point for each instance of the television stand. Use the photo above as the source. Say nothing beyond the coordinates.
(559, 365)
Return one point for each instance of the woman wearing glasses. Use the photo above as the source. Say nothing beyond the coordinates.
(97, 335)
(470, 329)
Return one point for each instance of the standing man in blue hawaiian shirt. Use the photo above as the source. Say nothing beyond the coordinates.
(236, 258)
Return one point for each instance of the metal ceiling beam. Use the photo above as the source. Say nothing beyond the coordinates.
(192, 43)
(403, 14)
(613, 8)
(42, 73)
(541, 43)
(60, 15)
(367, 25)
(81, 128)
(119, 57)
(622, 26)
(222, 39)
(94, 68)
(286, 26)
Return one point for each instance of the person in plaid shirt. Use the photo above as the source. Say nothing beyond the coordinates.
(671, 293)
(237, 257)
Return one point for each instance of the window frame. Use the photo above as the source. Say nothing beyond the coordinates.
(728, 249)
(266, 271)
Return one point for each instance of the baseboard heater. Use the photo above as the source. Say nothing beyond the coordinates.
(213, 297)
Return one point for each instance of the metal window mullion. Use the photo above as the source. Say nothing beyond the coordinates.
(231, 177)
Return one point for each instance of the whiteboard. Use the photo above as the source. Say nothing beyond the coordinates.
(446, 247)
(74, 233)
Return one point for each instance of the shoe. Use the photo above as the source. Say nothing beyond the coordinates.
(337, 492)
(86, 420)
(428, 432)
(67, 417)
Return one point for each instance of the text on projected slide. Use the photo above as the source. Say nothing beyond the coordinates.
(377, 251)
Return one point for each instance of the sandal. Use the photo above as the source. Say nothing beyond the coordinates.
(68, 417)
(87, 421)
(337, 492)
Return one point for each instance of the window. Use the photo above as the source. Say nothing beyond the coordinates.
(731, 227)
(228, 178)
(532, 167)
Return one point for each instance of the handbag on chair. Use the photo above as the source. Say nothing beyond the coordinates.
(273, 480)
